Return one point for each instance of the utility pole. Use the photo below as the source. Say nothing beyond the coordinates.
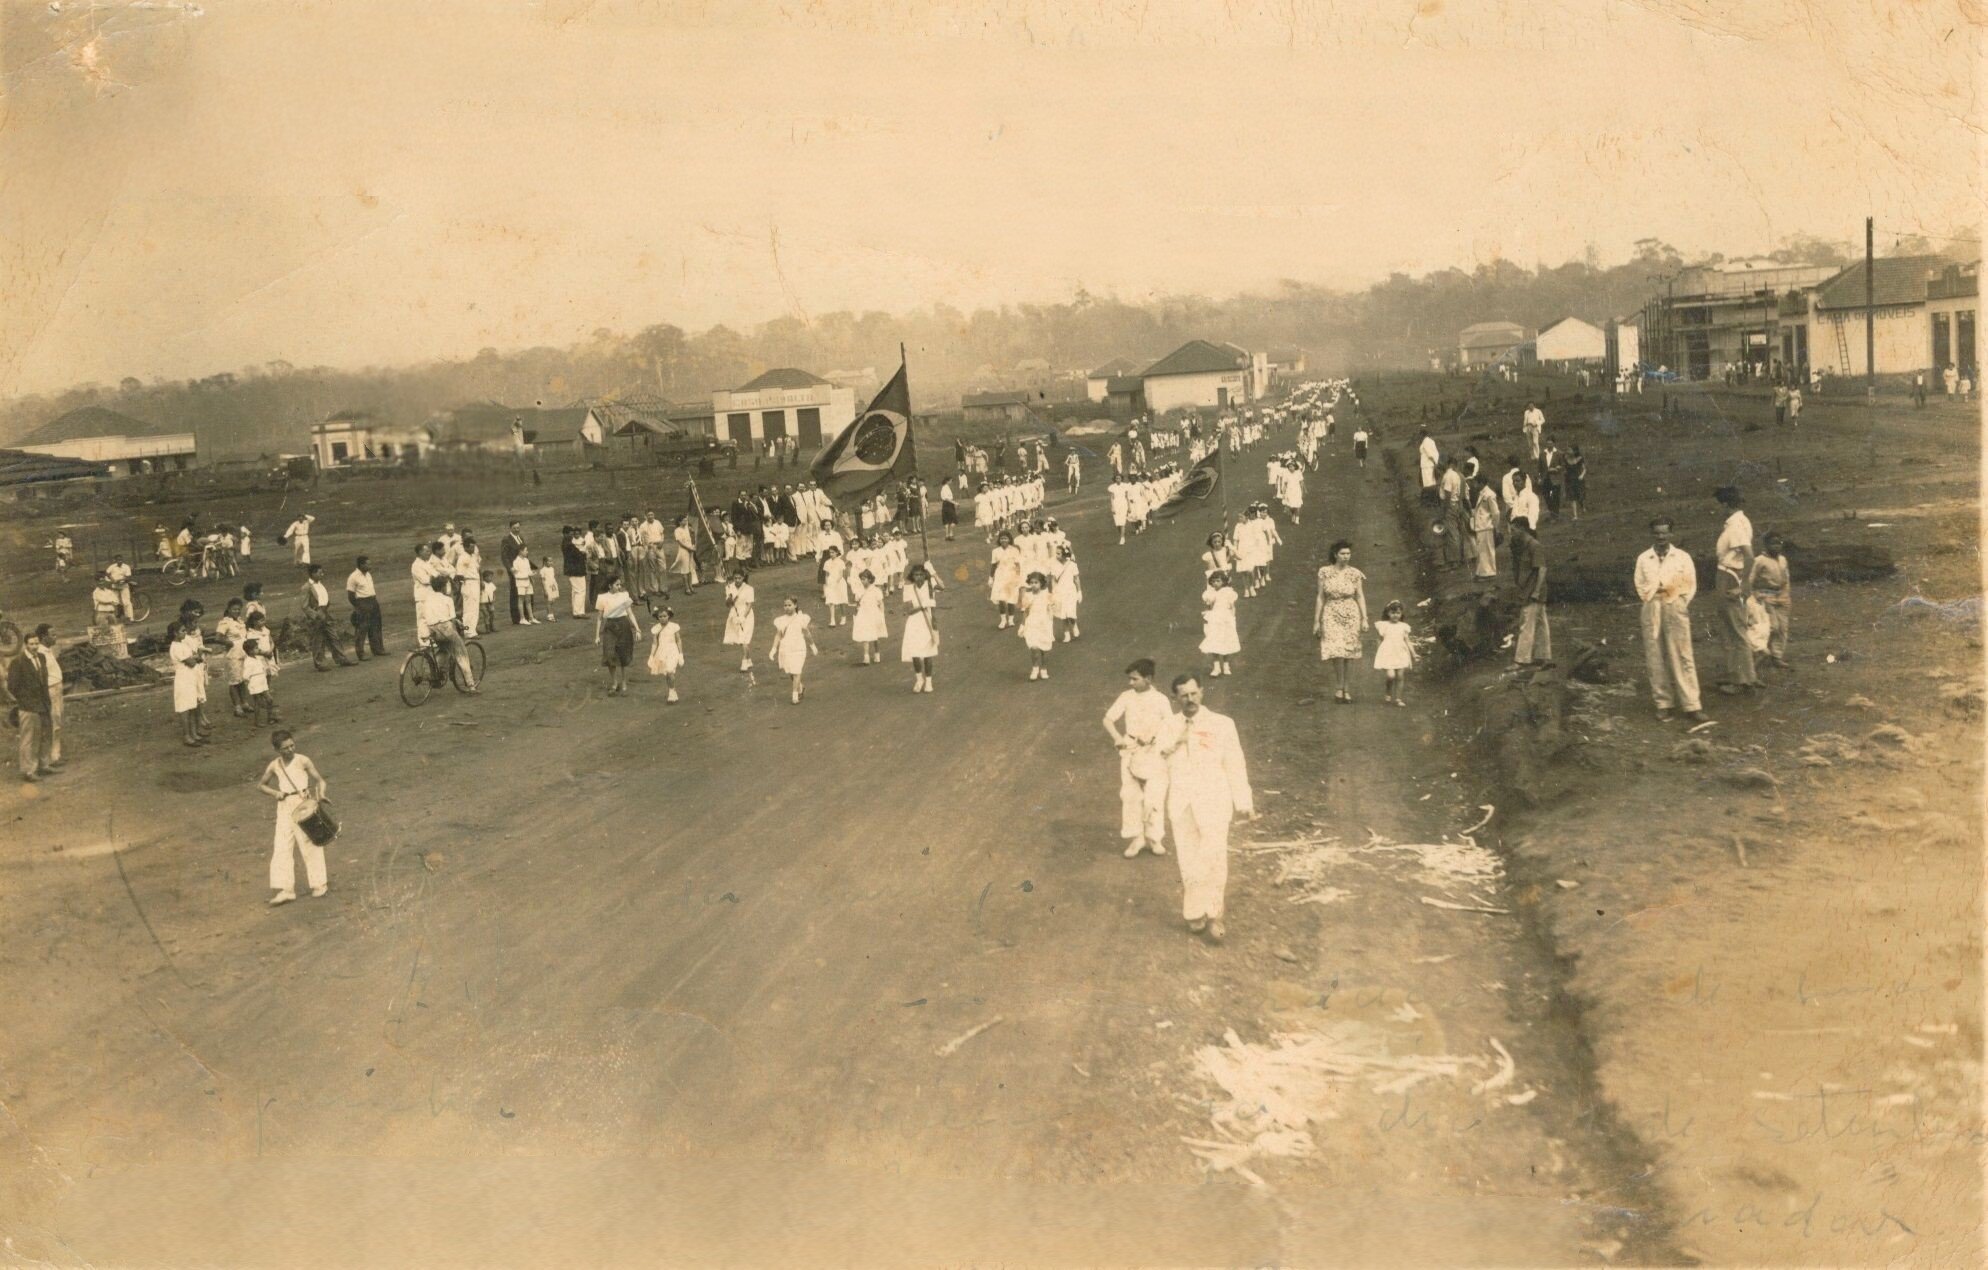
(1870, 316)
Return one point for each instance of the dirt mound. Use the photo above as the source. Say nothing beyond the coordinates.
(88, 669)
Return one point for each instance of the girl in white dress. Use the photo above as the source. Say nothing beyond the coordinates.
(189, 658)
(834, 584)
(1004, 583)
(1395, 655)
(793, 640)
(1038, 625)
(1120, 494)
(1067, 592)
(868, 628)
(234, 630)
(921, 627)
(1219, 558)
(666, 653)
(1218, 624)
(738, 617)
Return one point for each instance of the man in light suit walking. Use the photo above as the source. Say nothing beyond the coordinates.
(1207, 787)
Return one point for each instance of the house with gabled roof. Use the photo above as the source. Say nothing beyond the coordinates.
(1097, 381)
(1485, 343)
(1204, 374)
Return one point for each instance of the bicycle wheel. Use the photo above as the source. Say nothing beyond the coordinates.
(176, 575)
(476, 663)
(141, 605)
(417, 678)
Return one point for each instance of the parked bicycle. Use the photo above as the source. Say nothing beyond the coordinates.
(141, 606)
(424, 670)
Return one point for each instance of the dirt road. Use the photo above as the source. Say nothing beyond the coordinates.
(866, 980)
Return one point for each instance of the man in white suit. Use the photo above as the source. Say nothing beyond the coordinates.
(1207, 787)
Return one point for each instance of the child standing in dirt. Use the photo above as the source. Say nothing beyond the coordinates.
(1770, 583)
(1395, 656)
(1360, 444)
(548, 581)
(257, 671)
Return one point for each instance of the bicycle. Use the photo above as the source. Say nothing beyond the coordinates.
(423, 670)
(179, 570)
(141, 607)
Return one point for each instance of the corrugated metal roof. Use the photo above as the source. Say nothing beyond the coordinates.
(95, 421)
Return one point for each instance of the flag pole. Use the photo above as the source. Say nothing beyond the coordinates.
(924, 543)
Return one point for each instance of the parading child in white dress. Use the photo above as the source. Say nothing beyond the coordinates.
(834, 584)
(868, 628)
(793, 640)
(739, 617)
(1038, 624)
(1396, 655)
(1004, 580)
(1066, 592)
(921, 626)
(1219, 638)
(666, 652)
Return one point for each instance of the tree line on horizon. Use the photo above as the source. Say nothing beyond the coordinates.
(1398, 322)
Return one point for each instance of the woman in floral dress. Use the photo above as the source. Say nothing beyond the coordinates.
(1340, 615)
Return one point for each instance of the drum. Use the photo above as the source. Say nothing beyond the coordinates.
(320, 826)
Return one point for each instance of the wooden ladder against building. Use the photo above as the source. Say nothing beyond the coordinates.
(1842, 346)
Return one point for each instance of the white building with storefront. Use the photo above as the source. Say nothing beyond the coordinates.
(783, 403)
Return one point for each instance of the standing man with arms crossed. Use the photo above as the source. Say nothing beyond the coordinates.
(1207, 787)
(367, 629)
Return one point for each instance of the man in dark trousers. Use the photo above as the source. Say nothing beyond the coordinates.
(512, 546)
(367, 629)
(27, 683)
(1534, 645)
(317, 621)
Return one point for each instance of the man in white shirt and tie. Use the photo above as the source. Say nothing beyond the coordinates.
(1666, 581)
(1135, 723)
(1535, 424)
(1427, 456)
(1207, 787)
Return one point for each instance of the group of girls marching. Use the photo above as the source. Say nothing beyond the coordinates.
(1133, 499)
(793, 629)
(1006, 503)
(1036, 588)
(1243, 556)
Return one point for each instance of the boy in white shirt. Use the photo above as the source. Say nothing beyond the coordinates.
(521, 584)
(257, 671)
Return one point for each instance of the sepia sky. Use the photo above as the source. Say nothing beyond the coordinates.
(196, 187)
